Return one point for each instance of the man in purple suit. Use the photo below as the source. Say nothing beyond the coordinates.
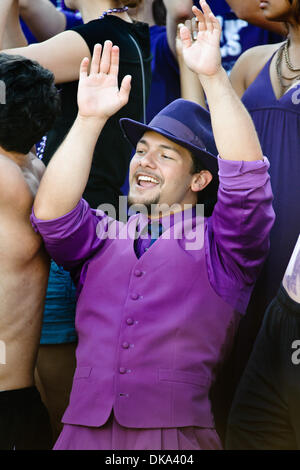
(157, 313)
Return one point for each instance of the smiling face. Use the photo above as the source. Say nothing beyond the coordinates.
(161, 173)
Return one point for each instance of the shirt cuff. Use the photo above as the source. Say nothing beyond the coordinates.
(243, 174)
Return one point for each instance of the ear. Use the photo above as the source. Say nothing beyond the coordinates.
(201, 180)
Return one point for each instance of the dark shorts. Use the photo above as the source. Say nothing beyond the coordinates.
(265, 414)
(24, 421)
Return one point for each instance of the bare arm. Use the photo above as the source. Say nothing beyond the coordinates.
(99, 98)
(234, 131)
(177, 12)
(61, 54)
(42, 18)
(249, 10)
(190, 86)
(11, 34)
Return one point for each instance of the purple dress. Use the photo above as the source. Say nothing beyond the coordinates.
(277, 122)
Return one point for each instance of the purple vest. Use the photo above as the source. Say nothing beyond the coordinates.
(148, 349)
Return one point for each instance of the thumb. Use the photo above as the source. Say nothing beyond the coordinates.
(125, 89)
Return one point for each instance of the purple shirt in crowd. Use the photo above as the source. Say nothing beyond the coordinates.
(153, 331)
(236, 235)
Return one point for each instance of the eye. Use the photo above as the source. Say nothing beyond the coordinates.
(140, 151)
(166, 157)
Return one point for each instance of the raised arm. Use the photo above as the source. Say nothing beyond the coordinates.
(99, 98)
(177, 12)
(190, 86)
(11, 34)
(62, 54)
(234, 131)
(42, 18)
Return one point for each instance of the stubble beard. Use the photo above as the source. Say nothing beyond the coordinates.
(146, 205)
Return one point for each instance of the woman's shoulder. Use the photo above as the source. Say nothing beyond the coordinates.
(250, 64)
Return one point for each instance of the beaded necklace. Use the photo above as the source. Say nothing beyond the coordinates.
(113, 10)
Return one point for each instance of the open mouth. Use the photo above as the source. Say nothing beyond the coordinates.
(146, 182)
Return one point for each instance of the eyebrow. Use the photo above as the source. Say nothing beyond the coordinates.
(166, 147)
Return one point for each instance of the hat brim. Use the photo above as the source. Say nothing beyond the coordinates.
(134, 130)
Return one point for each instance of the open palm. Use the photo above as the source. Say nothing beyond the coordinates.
(203, 56)
(98, 91)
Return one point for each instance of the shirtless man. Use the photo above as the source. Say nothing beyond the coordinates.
(27, 112)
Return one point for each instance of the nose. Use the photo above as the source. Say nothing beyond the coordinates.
(148, 160)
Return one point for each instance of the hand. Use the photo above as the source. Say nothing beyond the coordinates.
(203, 56)
(98, 92)
(192, 26)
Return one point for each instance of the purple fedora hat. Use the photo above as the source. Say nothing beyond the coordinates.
(185, 123)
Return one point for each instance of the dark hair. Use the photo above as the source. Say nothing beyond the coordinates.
(159, 12)
(208, 196)
(31, 103)
(295, 4)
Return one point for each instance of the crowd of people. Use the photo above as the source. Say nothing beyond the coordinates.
(149, 245)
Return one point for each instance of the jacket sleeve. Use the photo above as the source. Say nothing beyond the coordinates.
(237, 233)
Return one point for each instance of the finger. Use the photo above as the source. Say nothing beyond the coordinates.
(114, 63)
(216, 23)
(185, 37)
(207, 15)
(96, 59)
(194, 28)
(188, 24)
(125, 89)
(205, 7)
(106, 57)
(200, 18)
(84, 68)
(179, 26)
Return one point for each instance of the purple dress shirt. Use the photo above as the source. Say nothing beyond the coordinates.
(153, 330)
(238, 231)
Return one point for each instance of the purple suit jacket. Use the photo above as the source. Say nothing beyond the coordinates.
(152, 331)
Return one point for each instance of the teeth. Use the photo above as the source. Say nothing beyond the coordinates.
(147, 178)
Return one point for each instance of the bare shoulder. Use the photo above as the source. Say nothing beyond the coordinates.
(11, 181)
(249, 65)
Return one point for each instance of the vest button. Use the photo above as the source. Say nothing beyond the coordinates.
(125, 345)
(138, 273)
(129, 321)
(122, 370)
(134, 296)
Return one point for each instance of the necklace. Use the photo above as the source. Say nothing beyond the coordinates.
(283, 51)
(287, 57)
(113, 10)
